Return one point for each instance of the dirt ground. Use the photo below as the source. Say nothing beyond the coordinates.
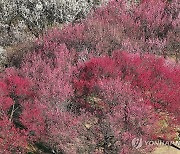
(166, 150)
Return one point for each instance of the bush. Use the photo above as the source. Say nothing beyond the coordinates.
(153, 77)
(147, 27)
(133, 29)
(57, 102)
(75, 93)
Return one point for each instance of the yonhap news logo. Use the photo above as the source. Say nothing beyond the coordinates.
(138, 143)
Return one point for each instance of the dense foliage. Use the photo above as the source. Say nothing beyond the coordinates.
(151, 26)
(22, 18)
(97, 105)
(84, 89)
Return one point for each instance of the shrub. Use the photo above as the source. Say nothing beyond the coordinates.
(68, 96)
(32, 108)
(147, 27)
(153, 77)
(99, 105)
(14, 92)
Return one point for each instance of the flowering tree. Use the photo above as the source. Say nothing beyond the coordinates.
(14, 91)
(153, 77)
(116, 26)
(77, 92)
(31, 17)
(55, 102)
(150, 26)
(129, 88)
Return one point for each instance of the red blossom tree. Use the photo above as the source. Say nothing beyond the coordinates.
(76, 92)
(151, 27)
(105, 102)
